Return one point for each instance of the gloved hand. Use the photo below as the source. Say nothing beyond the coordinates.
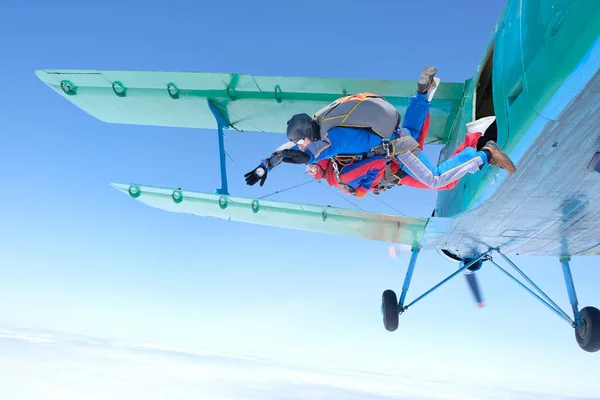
(295, 157)
(257, 174)
(315, 170)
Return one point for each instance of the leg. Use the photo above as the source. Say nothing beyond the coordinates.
(409, 180)
(495, 154)
(417, 110)
(469, 160)
(418, 105)
(416, 164)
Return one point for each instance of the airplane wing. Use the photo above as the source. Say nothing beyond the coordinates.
(247, 102)
(323, 219)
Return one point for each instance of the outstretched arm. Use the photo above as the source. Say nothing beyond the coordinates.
(260, 173)
(287, 152)
(276, 157)
(312, 153)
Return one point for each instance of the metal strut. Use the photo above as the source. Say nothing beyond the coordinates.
(564, 260)
(543, 297)
(408, 278)
(546, 300)
(221, 124)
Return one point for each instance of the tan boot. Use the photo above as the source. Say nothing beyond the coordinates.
(426, 80)
(498, 157)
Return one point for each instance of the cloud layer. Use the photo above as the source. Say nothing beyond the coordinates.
(50, 365)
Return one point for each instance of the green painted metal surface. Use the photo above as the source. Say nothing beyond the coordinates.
(249, 103)
(323, 219)
(536, 46)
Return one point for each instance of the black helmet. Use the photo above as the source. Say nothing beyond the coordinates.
(302, 125)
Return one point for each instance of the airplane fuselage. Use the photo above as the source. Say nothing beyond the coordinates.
(540, 78)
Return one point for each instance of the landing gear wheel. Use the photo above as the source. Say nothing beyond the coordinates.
(588, 336)
(389, 308)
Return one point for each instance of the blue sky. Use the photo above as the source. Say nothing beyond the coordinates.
(77, 256)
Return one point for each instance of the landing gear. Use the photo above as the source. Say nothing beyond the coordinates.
(585, 322)
(588, 335)
(389, 309)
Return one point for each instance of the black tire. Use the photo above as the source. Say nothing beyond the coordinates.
(588, 337)
(389, 304)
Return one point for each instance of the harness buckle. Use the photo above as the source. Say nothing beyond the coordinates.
(386, 147)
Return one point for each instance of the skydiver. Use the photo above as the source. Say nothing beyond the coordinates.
(306, 144)
(370, 174)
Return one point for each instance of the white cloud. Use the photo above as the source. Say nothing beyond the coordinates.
(50, 365)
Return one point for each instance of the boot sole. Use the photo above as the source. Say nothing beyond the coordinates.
(427, 77)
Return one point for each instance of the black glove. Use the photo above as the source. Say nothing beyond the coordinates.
(295, 157)
(275, 159)
(257, 174)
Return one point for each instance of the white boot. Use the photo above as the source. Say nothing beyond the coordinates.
(480, 125)
(432, 88)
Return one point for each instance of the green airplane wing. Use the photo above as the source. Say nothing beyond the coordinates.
(314, 218)
(247, 102)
